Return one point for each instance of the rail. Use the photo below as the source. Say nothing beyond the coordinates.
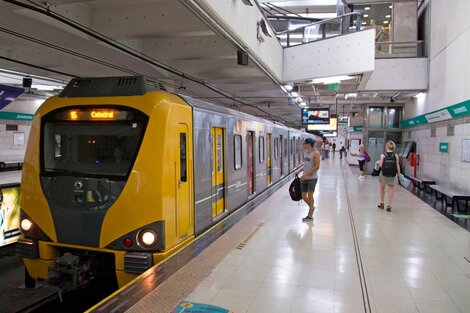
(404, 49)
(332, 27)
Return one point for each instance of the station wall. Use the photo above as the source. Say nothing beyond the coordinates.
(449, 74)
(13, 142)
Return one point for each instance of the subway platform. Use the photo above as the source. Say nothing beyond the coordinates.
(353, 258)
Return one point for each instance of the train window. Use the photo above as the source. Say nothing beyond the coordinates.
(219, 153)
(261, 149)
(183, 157)
(90, 148)
(237, 142)
(285, 147)
(276, 148)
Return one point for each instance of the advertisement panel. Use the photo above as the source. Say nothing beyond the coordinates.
(9, 214)
(8, 94)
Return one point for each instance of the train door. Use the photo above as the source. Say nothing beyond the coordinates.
(270, 160)
(218, 187)
(183, 206)
(281, 153)
(251, 162)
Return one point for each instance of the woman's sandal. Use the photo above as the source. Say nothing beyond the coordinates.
(389, 208)
(381, 206)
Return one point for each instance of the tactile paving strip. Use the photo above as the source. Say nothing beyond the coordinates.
(171, 292)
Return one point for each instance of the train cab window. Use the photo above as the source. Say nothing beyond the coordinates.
(183, 157)
(237, 142)
(261, 149)
(88, 147)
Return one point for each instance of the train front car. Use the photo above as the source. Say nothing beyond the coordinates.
(107, 182)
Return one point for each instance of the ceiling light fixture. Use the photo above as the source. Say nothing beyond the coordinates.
(367, 8)
(331, 80)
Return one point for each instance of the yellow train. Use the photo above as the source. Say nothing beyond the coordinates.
(118, 176)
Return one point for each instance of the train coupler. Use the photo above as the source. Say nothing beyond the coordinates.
(70, 272)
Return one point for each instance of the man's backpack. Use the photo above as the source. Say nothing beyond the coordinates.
(294, 189)
(389, 167)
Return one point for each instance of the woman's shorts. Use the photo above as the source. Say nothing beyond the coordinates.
(308, 185)
(390, 181)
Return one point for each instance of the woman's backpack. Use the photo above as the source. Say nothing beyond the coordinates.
(389, 167)
(294, 189)
(366, 157)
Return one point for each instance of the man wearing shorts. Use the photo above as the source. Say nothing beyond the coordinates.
(309, 176)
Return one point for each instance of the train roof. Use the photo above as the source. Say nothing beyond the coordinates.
(110, 87)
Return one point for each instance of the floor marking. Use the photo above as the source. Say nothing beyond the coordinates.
(242, 243)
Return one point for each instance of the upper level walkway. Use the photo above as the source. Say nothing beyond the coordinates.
(353, 258)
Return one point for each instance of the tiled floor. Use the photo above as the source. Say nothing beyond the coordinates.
(353, 258)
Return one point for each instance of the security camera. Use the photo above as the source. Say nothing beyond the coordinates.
(394, 98)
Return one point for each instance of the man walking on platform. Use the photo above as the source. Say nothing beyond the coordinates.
(309, 176)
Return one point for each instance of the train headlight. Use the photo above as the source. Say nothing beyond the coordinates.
(147, 238)
(26, 224)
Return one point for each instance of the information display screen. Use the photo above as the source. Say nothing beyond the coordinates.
(315, 116)
(331, 127)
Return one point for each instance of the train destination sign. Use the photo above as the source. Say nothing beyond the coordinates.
(95, 115)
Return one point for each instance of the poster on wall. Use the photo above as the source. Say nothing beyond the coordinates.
(18, 139)
(354, 145)
(9, 214)
(465, 150)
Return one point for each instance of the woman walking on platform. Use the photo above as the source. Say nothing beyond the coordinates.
(389, 175)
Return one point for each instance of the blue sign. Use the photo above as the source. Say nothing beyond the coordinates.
(193, 307)
(8, 94)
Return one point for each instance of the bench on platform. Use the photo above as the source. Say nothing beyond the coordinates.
(421, 182)
(451, 195)
(11, 164)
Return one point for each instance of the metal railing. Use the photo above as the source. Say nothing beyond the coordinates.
(406, 49)
(327, 28)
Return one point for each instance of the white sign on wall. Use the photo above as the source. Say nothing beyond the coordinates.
(465, 150)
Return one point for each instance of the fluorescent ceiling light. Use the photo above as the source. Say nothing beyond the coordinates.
(331, 80)
(288, 87)
(366, 15)
(388, 15)
(367, 8)
(46, 87)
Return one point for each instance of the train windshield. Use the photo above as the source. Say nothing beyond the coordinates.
(91, 148)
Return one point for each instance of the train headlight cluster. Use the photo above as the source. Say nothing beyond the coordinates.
(147, 238)
(26, 225)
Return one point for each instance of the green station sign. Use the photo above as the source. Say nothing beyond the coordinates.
(16, 116)
(444, 147)
(453, 111)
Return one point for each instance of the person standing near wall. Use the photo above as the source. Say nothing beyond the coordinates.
(361, 159)
(309, 176)
(390, 165)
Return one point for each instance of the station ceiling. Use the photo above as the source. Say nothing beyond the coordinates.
(163, 40)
